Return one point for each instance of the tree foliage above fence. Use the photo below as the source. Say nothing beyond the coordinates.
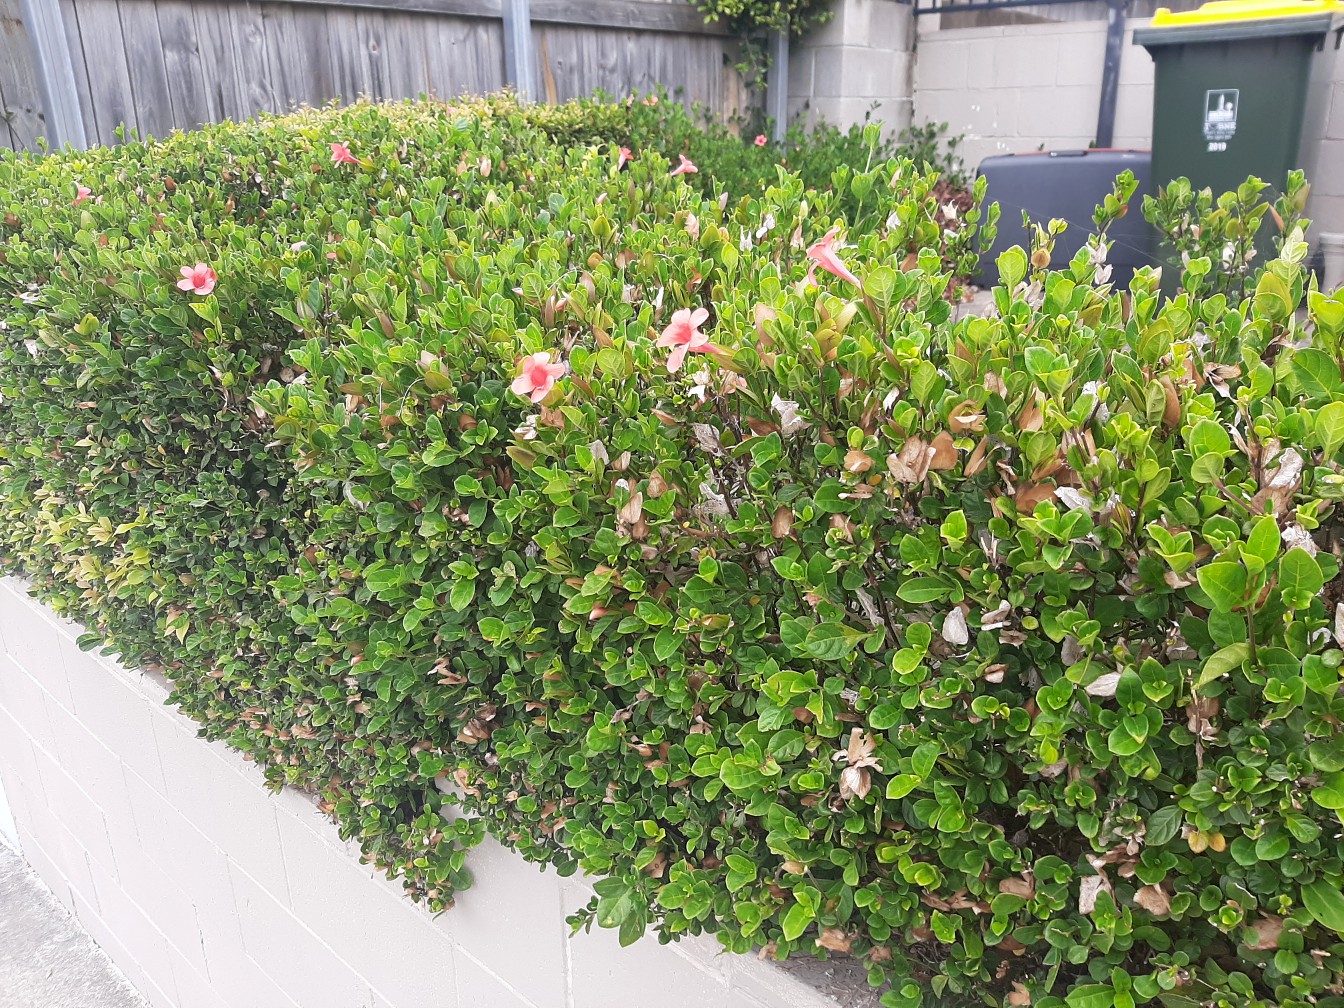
(701, 544)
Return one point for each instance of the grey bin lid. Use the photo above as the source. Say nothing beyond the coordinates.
(1232, 31)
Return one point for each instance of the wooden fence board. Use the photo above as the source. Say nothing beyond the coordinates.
(187, 94)
(21, 121)
(346, 56)
(405, 52)
(583, 59)
(70, 18)
(249, 55)
(225, 98)
(464, 56)
(104, 48)
(145, 66)
(163, 64)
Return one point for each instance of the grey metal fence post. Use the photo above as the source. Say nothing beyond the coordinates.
(520, 64)
(777, 84)
(55, 73)
(1110, 71)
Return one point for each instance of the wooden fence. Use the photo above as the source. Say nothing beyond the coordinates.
(76, 70)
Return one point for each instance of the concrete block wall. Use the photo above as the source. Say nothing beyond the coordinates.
(859, 62)
(1024, 87)
(1324, 159)
(1021, 87)
(208, 891)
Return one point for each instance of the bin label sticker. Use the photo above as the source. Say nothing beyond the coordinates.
(1220, 114)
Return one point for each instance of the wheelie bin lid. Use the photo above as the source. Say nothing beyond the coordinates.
(1230, 19)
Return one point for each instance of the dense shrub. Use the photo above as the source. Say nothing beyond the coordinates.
(1000, 652)
(740, 160)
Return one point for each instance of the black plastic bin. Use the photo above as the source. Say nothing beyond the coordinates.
(1067, 185)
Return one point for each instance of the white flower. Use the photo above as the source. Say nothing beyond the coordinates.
(790, 423)
(701, 384)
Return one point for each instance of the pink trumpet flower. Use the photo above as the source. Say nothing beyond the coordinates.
(823, 254)
(683, 335)
(537, 376)
(199, 279)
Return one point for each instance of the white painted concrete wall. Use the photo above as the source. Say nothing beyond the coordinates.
(9, 833)
(859, 62)
(210, 892)
(1022, 87)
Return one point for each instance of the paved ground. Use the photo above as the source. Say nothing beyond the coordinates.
(46, 959)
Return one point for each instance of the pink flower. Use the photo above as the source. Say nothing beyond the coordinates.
(683, 334)
(624, 157)
(651, 100)
(823, 254)
(760, 140)
(340, 154)
(537, 376)
(199, 279)
(81, 194)
(685, 168)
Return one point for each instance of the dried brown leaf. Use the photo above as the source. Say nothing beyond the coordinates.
(834, 939)
(1018, 886)
(944, 453)
(1171, 413)
(1266, 930)
(1154, 899)
(967, 417)
(1030, 494)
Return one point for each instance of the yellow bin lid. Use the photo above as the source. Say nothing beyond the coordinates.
(1224, 11)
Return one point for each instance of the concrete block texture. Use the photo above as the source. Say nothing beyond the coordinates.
(209, 891)
(861, 56)
(883, 24)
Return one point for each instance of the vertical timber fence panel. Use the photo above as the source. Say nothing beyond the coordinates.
(150, 66)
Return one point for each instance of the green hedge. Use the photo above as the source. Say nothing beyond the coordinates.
(999, 652)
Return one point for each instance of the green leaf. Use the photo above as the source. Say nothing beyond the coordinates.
(797, 920)
(919, 590)
(1091, 996)
(828, 499)
(902, 784)
(1320, 675)
(886, 715)
(1329, 427)
(1012, 265)
(1330, 792)
(1325, 903)
(461, 595)
(1223, 661)
(924, 758)
(1208, 437)
(1299, 578)
(1316, 371)
(1225, 584)
(666, 644)
(740, 776)
(833, 641)
(1163, 825)
(1263, 542)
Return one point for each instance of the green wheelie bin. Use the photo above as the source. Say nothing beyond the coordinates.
(1231, 88)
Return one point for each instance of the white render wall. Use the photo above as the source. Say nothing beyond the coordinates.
(208, 891)
(1020, 87)
(859, 62)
